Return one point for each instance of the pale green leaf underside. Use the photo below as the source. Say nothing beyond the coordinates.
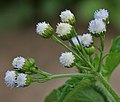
(82, 92)
(113, 59)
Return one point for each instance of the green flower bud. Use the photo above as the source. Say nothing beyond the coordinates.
(90, 50)
(67, 17)
(44, 29)
(23, 80)
(65, 31)
(24, 65)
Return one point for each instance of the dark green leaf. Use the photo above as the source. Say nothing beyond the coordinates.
(54, 95)
(59, 94)
(84, 92)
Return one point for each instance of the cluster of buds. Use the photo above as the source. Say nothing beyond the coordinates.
(65, 30)
(82, 45)
(20, 76)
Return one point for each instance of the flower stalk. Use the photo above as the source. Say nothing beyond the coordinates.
(81, 55)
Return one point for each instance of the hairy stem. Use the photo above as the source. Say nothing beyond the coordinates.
(71, 75)
(102, 38)
(83, 51)
(61, 43)
(39, 79)
(108, 87)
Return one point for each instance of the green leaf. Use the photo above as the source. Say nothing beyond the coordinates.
(112, 61)
(59, 94)
(84, 92)
(54, 95)
(115, 46)
(76, 90)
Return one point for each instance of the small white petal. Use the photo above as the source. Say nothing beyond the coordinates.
(18, 62)
(67, 59)
(41, 27)
(63, 29)
(101, 14)
(86, 40)
(10, 77)
(75, 41)
(21, 80)
(97, 26)
(66, 16)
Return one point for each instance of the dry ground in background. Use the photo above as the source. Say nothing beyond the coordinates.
(46, 53)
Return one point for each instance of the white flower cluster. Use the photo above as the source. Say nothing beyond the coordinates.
(86, 40)
(12, 79)
(66, 16)
(41, 27)
(63, 29)
(101, 14)
(21, 80)
(18, 63)
(98, 25)
(67, 59)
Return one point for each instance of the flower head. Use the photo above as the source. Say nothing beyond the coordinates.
(75, 41)
(67, 17)
(67, 59)
(21, 80)
(64, 30)
(97, 26)
(86, 40)
(44, 29)
(18, 62)
(101, 14)
(10, 77)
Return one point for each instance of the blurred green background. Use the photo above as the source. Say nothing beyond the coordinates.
(18, 37)
(16, 14)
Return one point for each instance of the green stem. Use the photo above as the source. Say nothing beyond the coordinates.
(108, 87)
(90, 58)
(100, 62)
(102, 38)
(74, 46)
(61, 43)
(41, 72)
(71, 75)
(61, 76)
(82, 67)
(83, 51)
(81, 58)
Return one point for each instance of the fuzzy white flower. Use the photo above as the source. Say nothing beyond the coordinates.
(66, 16)
(21, 80)
(97, 26)
(63, 29)
(67, 59)
(86, 40)
(101, 14)
(10, 77)
(41, 27)
(75, 41)
(18, 62)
